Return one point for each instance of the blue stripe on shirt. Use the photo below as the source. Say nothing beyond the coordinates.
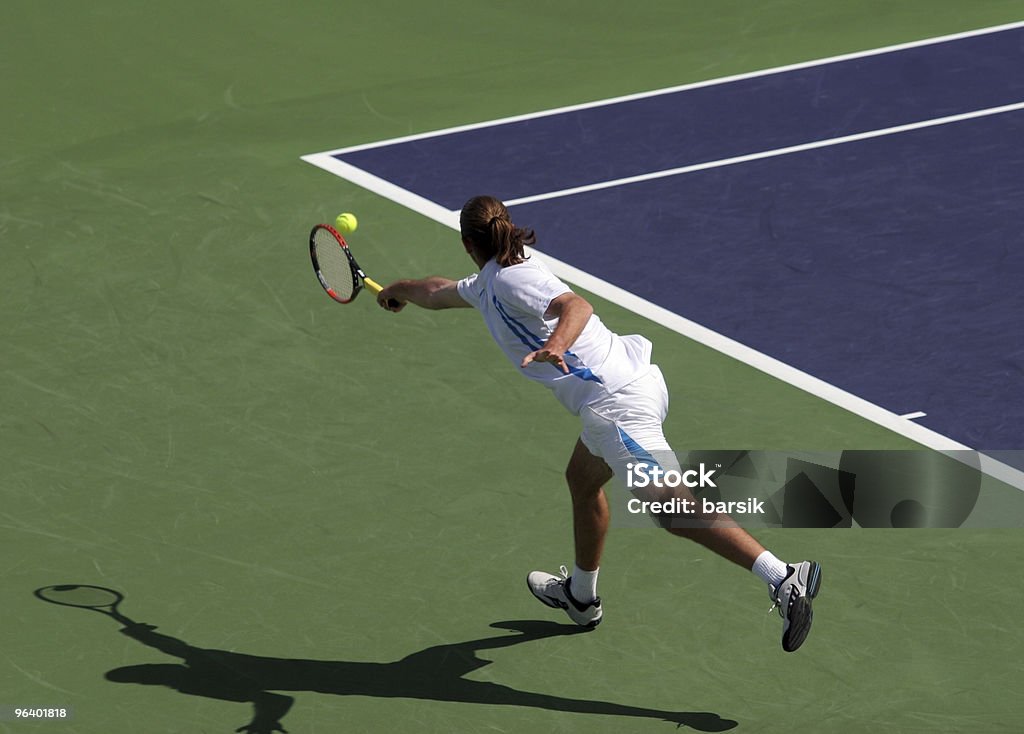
(533, 342)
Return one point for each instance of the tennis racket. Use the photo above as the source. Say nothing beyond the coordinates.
(97, 598)
(336, 268)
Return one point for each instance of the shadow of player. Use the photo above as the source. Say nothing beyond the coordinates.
(436, 674)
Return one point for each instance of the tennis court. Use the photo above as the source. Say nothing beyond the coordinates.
(327, 512)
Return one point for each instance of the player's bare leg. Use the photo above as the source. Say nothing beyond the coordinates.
(726, 539)
(791, 587)
(577, 593)
(586, 475)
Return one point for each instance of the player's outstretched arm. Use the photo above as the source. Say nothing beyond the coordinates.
(433, 293)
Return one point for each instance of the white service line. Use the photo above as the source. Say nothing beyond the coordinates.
(767, 154)
(914, 415)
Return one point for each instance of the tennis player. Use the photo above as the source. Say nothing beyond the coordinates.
(553, 337)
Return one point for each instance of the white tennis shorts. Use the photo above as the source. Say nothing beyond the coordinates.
(625, 427)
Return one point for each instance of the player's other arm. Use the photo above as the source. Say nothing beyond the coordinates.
(573, 312)
(433, 293)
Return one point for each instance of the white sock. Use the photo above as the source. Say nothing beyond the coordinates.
(770, 569)
(584, 584)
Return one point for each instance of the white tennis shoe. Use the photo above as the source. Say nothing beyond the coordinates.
(556, 592)
(793, 598)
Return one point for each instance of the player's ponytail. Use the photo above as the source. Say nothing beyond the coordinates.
(485, 223)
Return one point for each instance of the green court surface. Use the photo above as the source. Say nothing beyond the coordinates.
(337, 505)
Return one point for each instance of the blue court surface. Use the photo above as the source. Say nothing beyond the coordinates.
(859, 219)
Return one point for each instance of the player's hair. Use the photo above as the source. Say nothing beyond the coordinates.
(485, 223)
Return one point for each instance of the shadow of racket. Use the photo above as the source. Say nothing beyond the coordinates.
(97, 598)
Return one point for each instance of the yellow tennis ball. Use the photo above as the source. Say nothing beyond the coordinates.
(346, 223)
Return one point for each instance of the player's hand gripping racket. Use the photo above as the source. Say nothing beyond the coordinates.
(336, 268)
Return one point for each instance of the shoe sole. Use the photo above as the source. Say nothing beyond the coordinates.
(801, 614)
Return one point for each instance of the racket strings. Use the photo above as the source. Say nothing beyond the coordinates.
(333, 264)
(80, 596)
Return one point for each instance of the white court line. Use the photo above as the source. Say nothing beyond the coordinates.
(912, 416)
(679, 88)
(767, 154)
(700, 334)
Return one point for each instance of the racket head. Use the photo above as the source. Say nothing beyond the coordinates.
(333, 264)
(83, 596)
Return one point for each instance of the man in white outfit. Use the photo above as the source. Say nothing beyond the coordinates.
(553, 337)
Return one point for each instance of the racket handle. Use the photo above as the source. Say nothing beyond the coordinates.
(376, 288)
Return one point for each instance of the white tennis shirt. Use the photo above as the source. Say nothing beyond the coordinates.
(513, 301)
